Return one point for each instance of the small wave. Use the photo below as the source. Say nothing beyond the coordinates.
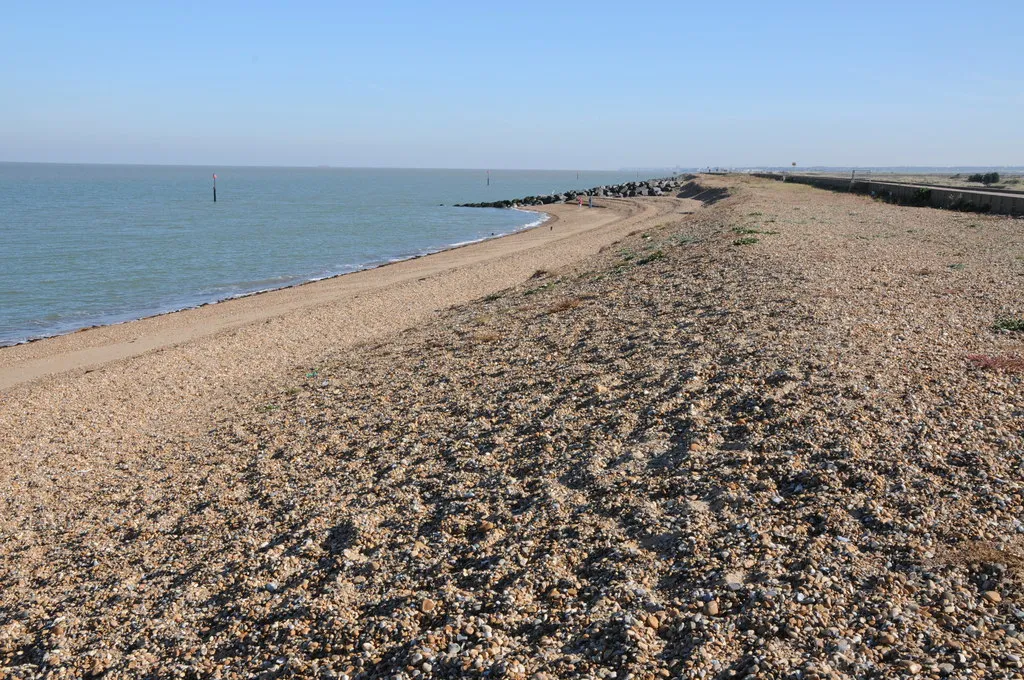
(246, 289)
(544, 217)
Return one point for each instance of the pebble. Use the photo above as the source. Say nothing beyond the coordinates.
(702, 516)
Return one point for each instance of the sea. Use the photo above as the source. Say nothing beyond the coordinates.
(88, 245)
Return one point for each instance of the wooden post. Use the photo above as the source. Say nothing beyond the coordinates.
(214, 187)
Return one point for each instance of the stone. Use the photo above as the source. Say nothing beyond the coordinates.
(427, 605)
(911, 667)
(992, 596)
(711, 608)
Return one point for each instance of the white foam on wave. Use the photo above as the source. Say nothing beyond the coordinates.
(544, 217)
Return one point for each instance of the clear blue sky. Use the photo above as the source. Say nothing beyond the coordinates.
(491, 84)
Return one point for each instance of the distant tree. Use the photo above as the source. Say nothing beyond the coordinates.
(987, 178)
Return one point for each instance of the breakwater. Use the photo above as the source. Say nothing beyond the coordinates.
(650, 187)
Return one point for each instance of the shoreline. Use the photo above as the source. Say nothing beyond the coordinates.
(100, 345)
(544, 219)
(777, 436)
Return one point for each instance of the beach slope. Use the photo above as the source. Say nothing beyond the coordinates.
(777, 436)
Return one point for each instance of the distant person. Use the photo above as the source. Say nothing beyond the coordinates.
(580, 199)
(590, 201)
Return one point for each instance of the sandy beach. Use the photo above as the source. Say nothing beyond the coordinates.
(781, 435)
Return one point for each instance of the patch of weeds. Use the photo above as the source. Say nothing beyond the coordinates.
(990, 363)
(652, 257)
(683, 240)
(754, 214)
(540, 288)
(292, 391)
(958, 267)
(748, 230)
(494, 296)
(313, 372)
(564, 305)
(1015, 325)
(486, 336)
(627, 255)
(748, 241)
(267, 408)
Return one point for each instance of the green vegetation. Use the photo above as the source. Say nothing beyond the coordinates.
(987, 178)
(959, 266)
(748, 230)
(652, 257)
(748, 241)
(538, 289)
(1016, 325)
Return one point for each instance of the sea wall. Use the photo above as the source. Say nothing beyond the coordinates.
(951, 198)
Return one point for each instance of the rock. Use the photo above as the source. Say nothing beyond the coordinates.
(992, 596)
(911, 667)
(427, 606)
(711, 608)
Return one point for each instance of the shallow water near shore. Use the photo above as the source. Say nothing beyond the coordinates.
(85, 245)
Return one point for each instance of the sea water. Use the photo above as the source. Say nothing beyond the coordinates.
(85, 245)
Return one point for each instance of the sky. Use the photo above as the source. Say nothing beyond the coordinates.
(488, 84)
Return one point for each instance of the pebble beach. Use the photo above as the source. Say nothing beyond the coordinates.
(759, 431)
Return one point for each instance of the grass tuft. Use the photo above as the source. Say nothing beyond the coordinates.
(749, 230)
(486, 336)
(1016, 325)
(653, 257)
(564, 305)
(1007, 364)
(748, 241)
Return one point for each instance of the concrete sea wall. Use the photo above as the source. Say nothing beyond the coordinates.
(952, 198)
